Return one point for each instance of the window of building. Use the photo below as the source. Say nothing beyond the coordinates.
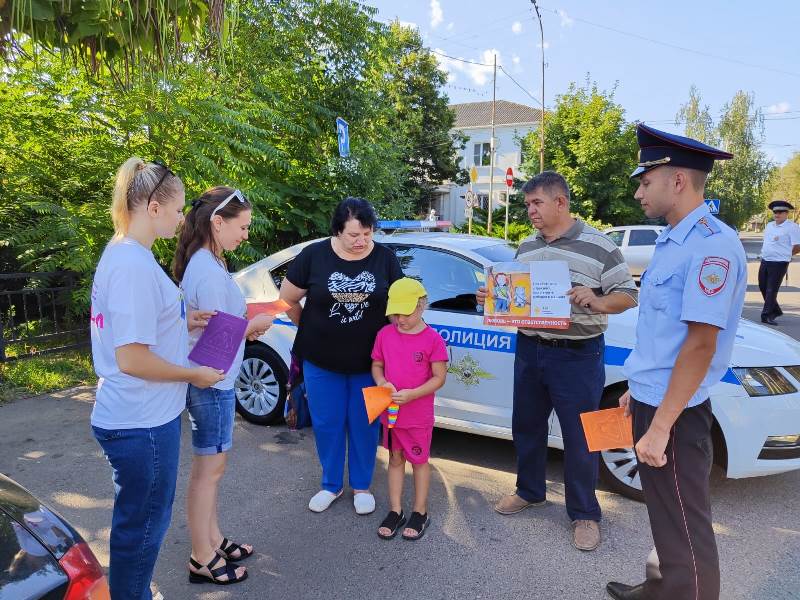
(482, 155)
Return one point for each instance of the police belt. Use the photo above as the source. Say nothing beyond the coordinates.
(559, 342)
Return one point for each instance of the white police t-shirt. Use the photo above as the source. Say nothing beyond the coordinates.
(778, 241)
(134, 302)
(207, 285)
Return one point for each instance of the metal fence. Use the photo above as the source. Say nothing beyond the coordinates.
(34, 316)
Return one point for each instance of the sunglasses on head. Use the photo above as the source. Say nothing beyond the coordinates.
(236, 194)
(167, 171)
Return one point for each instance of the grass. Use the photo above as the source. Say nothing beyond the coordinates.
(39, 375)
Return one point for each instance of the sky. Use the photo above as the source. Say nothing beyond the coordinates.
(649, 53)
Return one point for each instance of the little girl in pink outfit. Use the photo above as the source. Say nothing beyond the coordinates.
(409, 358)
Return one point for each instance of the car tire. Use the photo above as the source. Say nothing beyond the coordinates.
(619, 468)
(261, 385)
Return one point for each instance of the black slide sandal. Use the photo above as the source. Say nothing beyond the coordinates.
(227, 569)
(393, 522)
(418, 523)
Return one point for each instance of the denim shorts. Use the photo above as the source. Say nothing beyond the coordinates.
(211, 414)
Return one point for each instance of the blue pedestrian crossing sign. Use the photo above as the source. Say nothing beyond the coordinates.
(713, 205)
(343, 135)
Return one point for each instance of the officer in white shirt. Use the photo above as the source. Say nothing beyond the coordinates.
(781, 242)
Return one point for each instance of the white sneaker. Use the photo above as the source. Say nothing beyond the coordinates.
(364, 503)
(322, 500)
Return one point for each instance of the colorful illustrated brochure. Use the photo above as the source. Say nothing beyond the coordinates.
(377, 399)
(219, 342)
(268, 308)
(607, 429)
(528, 294)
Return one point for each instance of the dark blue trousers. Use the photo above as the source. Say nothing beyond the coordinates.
(569, 381)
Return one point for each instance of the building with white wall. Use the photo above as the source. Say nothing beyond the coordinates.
(474, 119)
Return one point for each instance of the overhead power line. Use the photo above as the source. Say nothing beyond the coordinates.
(681, 48)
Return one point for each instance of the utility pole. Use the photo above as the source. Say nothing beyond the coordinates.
(541, 125)
(491, 151)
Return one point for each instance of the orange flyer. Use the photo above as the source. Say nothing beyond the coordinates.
(377, 399)
(607, 429)
(268, 308)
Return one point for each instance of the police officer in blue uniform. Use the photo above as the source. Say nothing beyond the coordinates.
(689, 307)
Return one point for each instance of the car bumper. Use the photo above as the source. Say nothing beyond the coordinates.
(749, 423)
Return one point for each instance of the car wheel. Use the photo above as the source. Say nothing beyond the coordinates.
(261, 385)
(619, 467)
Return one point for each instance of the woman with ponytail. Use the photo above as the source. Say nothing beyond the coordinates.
(139, 328)
(218, 221)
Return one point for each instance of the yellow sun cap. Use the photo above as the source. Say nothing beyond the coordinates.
(404, 294)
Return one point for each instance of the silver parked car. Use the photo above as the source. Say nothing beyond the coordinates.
(637, 243)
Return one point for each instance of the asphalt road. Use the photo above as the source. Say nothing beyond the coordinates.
(469, 552)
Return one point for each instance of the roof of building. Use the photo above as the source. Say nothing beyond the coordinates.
(479, 114)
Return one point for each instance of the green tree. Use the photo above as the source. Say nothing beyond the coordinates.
(784, 183)
(117, 35)
(699, 124)
(588, 141)
(408, 77)
(263, 122)
(742, 179)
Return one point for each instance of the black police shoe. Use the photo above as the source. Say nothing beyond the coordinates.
(769, 320)
(621, 591)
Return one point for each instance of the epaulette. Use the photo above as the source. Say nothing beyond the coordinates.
(707, 226)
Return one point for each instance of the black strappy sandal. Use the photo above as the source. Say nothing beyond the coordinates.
(418, 523)
(392, 522)
(227, 569)
(227, 548)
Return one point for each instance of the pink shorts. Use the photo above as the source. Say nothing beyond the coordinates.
(415, 442)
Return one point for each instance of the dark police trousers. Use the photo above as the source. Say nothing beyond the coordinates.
(679, 506)
(770, 275)
(569, 381)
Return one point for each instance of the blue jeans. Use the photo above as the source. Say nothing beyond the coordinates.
(569, 381)
(145, 469)
(340, 423)
(211, 413)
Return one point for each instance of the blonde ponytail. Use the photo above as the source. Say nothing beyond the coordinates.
(136, 181)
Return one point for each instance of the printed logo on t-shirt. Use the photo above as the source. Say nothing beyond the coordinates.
(351, 295)
(183, 307)
(416, 450)
(96, 318)
(418, 356)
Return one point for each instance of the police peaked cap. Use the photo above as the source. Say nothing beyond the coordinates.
(780, 205)
(658, 148)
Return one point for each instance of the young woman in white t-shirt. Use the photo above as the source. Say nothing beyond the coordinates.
(218, 221)
(139, 328)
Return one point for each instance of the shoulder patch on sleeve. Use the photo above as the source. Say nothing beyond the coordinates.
(707, 226)
(713, 274)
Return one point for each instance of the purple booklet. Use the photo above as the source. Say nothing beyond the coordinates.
(219, 343)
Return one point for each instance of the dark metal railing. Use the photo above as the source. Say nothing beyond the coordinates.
(34, 315)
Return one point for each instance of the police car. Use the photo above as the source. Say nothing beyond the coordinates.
(756, 404)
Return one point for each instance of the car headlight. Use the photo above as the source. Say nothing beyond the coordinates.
(794, 371)
(763, 381)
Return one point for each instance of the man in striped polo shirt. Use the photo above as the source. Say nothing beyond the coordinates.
(563, 370)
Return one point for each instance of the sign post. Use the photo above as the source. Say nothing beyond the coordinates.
(343, 137)
(509, 183)
(471, 197)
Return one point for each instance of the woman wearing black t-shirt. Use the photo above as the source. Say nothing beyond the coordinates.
(345, 280)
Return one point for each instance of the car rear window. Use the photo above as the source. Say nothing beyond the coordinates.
(27, 569)
(642, 237)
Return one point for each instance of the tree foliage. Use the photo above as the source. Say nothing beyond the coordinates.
(263, 122)
(119, 35)
(589, 142)
(739, 183)
(784, 182)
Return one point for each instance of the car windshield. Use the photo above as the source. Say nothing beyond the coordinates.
(497, 252)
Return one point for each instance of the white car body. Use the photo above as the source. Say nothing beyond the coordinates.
(477, 397)
(637, 244)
